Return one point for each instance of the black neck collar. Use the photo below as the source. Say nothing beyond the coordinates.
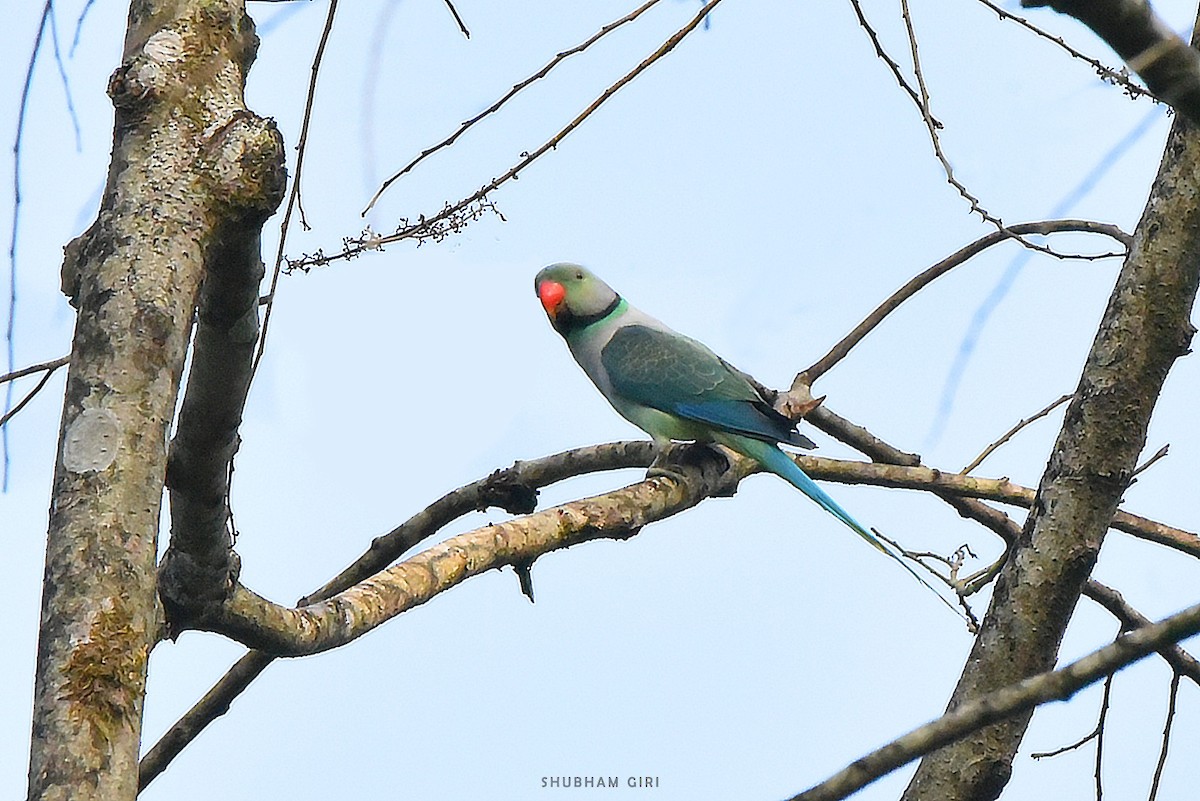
(567, 322)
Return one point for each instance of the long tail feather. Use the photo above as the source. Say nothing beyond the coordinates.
(779, 463)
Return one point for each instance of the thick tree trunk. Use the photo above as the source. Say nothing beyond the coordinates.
(1144, 329)
(190, 168)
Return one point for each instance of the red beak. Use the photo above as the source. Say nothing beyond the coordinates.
(551, 294)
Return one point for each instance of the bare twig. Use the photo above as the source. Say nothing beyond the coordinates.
(66, 82)
(451, 218)
(1170, 68)
(22, 110)
(214, 704)
(11, 413)
(1085, 739)
(990, 449)
(1159, 454)
(462, 26)
(978, 580)
(919, 282)
(1108, 680)
(1005, 703)
(927, 116)
(950, 579)
(891, 63)
(931, 126)
(51, 365)
(542, 73)
(1106, 73)
(1096, 734)
(294, 195)
(79, 27)
(1181, 662)
(1166, 737)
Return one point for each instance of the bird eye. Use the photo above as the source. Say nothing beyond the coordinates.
(579, 275)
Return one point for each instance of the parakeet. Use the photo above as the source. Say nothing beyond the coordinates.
(671, 386)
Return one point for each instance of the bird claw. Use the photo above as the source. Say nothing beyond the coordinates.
(695, 461)
(659, 468)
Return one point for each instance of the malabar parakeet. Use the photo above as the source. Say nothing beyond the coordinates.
(671, 386)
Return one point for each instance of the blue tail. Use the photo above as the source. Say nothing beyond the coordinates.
(779, 463)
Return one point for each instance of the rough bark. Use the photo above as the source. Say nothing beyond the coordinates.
(134, 277)
(287, 631)
(1144, 329)
(514, 489)
(200, 564)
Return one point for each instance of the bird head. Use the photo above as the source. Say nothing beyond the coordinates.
(573, 297)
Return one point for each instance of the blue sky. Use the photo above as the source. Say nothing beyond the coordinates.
(760, 189)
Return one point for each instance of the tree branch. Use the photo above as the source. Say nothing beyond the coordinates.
(1144, 329)
(509, 95)
(993, 489)
(1004, 703)
(1106, 73)
(200, 564)
(1172, 697)
(348, 615)
(21, 404)
(453, 217)
(1170, 68)
(10, 325)
(214, 704)
(961, 256)
(374, 600)
(50, 366)
(1012, 432)
(1183, 663)
(513, 489)
(134, 276)
(294, 202)
(891, 63)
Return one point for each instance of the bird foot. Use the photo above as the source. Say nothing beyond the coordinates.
(695, 461)
(661, 468)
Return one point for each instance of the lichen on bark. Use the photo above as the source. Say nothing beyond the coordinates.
(134, 277)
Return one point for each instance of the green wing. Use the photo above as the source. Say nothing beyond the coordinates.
(679, 376)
